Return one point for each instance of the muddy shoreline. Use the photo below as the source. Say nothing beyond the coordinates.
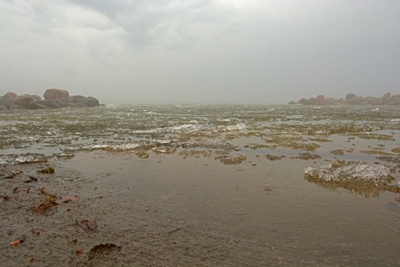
(144, 234)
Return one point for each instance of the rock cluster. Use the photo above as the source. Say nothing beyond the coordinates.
(351, 99)
(53, 99)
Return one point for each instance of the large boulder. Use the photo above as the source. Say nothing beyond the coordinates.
(15, 106)
(356, 100)
(77, 99)
(54, 93)
(37, 105)
(396, 99)
(12, 95)
(330, 101)
(292, 103)
(304, 101)
(376, 101)
(320, 99)
(350, 96)
(36, 97)
(24, 100)
(386, 98)
(91, 102)
(6, 101)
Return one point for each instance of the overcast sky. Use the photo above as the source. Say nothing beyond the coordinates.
(198, 51)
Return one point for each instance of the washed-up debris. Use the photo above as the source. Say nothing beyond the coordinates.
(65, 199)
(44, 206)
(16, 190)
(5, 197)
(47, 170)
(44, 192)
(8, 177)
(16, 172)
(103, 249)
(35, 161)
(14, 243)
(88, 226)
(74, 240)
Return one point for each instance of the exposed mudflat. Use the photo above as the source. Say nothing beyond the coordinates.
(201, 185)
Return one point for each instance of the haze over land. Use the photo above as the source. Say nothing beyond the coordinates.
(200, 51)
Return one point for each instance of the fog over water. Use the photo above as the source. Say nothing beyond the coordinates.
(145, 52)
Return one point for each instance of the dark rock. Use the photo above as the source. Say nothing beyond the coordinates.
(44, 104)
(386, 98)
(330, 101)
(376, 101)
(304, 101)
(91, 102)
(36, 97)
(395, 98)
(292, 103)
(24, 100)
(12, 95)
(350, 96)
(2, 107)
(320, 99)
(54, 93)
(62, 103)
(356, 100)
(77, 99)
(80, 105)
(15, 106)
(38, 104)
(6, 101)
(312, 101)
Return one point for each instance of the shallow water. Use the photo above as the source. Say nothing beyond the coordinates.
(235, 170)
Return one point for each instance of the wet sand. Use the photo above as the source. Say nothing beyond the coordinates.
(188, 209)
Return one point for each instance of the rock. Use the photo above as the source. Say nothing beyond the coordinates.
(60, 103)
(36, 97)
(292, 103)
(3, 107)
(37, 105)
(303, 101)
(320, 99)
(53, 104)
(15, 106)
(77, 99)
(6, 101)
(91, 102)
(356, 100)
(350, 96)
(24, 100)
(376, 101)
(312, 101)
(54, 93)
(12, 95)
(330, 101)
(79, 105)
(396, 99)
(386, 98)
